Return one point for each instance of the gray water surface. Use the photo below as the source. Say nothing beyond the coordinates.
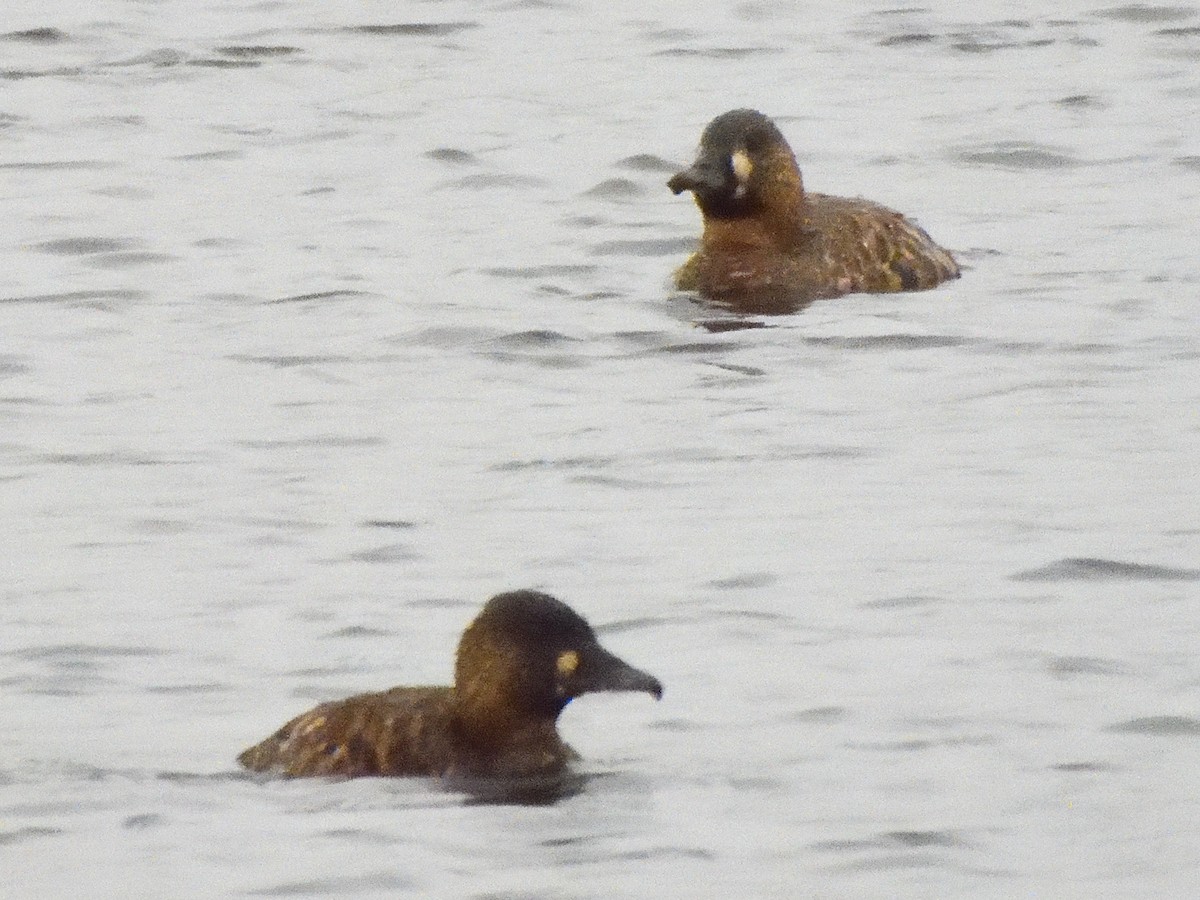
(321, 323)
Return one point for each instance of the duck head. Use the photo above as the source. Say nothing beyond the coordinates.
(744, 168)
(531, 654)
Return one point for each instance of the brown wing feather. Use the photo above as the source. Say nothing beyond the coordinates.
(876, 249)
(389, 733)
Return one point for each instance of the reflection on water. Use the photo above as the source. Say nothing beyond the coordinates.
(519, 791)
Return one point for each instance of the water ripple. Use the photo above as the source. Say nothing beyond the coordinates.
(348, 884)
(20, 835)
(413, 29)
(719, 53)
(1017, 156)
(386, 553)
(81, 246)
(320, 295)
(615, 189)
(1065, 666)
(1165, 726)
(1145, 12)
(1094, 569)
(892, 341)
(645, 247)
(648, 162)
(257, 51)
(453, 156)
(44, 35)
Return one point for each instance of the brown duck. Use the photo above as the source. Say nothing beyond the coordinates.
(522, 660)
(770, 246)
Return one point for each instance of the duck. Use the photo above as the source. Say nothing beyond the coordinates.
(524, 657)
(768, 245)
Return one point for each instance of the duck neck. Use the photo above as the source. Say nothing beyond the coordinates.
(773, 218)
(506, 741)
(490, 715)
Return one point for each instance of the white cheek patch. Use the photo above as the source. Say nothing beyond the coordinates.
(567, 663)
(742, 168)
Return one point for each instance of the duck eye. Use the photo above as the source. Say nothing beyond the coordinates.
(567, 663)
(741, 164)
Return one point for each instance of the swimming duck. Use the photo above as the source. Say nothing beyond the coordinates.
(519, 663)
(769, 245)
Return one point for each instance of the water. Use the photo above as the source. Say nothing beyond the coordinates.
(315, 336)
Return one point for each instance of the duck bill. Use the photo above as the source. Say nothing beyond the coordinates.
(606, 672)
(703, 178)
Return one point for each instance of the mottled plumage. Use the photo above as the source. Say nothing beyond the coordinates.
(519, 663)
(769, 246)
